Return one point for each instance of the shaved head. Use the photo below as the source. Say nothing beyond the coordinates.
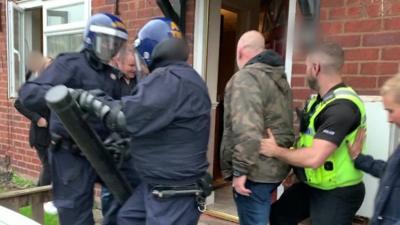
(249, 45)
(252, 40)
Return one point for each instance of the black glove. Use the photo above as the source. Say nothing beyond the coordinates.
(75, 93)
(115, 119)
(83, 97)
(95, 101)
(117, 147)
(92, 101)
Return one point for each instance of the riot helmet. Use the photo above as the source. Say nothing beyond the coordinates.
(104, 36)
(160, 39)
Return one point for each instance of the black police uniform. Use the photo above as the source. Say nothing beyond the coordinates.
(39, 138)
(73, 177)
(168, 119)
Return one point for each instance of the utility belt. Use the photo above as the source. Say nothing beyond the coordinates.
(58, 142)
(201, 189)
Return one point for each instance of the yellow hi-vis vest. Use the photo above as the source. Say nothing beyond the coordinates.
(338, 169)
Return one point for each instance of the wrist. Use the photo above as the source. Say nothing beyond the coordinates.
(276, 151)
(238, 173)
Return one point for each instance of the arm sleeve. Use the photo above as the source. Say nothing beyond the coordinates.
(32, 92)
(369, 165)
(337, 121)
(246, 106)
(152, 105)
(32, 116)
(397, 223)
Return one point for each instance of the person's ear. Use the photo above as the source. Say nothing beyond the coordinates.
(239, 56)
(316, 68)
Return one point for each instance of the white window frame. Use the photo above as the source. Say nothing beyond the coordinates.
(27, 4)
(69, 28)
(11, 52)
(48, 31)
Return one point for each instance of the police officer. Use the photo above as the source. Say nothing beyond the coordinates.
(331, 190)
(72, 175)
(168, 119)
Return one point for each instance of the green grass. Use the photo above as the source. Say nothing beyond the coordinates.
(16, 183)
(22, 182)
(49, 219)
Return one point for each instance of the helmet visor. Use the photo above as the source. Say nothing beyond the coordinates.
(141, 65)
(107, 46)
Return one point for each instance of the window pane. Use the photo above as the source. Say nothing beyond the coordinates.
(18, 50)
(63, 43)
(65, 14)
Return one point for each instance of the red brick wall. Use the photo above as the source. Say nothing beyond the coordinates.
(3, 80)
(14, 127)
(135, 13)
(369, 31)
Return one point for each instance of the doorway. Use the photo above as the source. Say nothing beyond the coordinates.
(235, 18)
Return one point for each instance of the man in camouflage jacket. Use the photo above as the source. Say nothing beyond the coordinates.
(257, 97)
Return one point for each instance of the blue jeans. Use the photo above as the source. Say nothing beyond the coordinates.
(106, 200)
(255, 209)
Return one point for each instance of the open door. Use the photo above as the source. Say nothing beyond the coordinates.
(237, 17)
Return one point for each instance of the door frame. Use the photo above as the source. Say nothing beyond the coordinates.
(206, 48)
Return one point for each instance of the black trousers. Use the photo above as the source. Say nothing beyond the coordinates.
(45, 172)
(333, 207)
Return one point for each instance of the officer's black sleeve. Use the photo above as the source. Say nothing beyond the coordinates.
(153, 104)
(370, 165)
(32, 116)
(339, 119)
(32, 92)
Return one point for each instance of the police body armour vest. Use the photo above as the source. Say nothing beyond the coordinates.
(338, 169)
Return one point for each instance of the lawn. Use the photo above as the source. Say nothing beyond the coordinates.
(15, 182)
(49, 219)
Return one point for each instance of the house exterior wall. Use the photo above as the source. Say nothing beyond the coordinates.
(369, 30)
(14, 127)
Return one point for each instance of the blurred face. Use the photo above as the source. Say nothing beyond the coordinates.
(35, 62)
(392, 108)
(312, 71)
(127, 66)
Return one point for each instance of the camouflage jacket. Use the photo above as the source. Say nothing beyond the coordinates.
(257, 97)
